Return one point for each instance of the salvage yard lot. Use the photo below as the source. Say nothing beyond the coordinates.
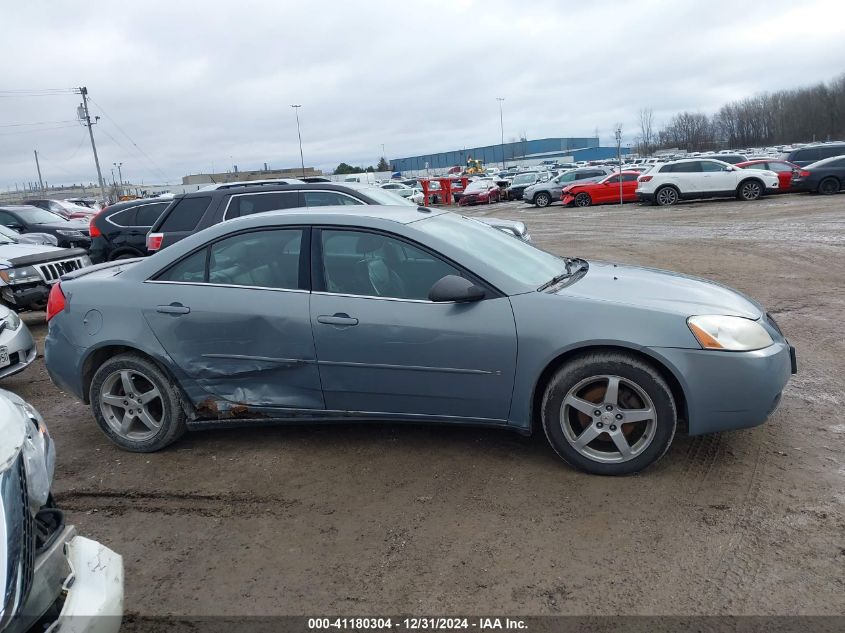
(380, 519)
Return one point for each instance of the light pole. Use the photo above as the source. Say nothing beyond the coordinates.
(119, 172)
(502, 126)
(619, 158)
(296, 107)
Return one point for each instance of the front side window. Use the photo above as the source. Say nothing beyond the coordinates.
(376, 265)
(629, 177)
(567, 177)
(328, 199)
(248, 204)
(711, 166)
(612, 180)
(263, 259)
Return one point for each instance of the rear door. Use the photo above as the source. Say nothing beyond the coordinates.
(234, 317)
(383, 347)
(688, 177)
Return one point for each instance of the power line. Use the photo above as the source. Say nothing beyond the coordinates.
(43, 129)
(131, 140)
(37, 123)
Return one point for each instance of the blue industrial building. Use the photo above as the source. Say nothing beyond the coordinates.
(535, 150)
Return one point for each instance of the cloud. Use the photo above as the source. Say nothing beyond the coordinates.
(204, 85)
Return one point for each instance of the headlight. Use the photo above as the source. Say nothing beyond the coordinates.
(729, 333)
(40, 457)
(69, 233)
(13, 321)
(25, 274)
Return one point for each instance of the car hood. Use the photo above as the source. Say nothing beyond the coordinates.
(10, 252)
(64, 226)
(12, 428)
(660, 290)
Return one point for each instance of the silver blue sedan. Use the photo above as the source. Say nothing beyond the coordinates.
(410, 315)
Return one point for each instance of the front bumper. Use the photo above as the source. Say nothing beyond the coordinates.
(81, 575)
(20, 347)
(729, 390)
(23, 296)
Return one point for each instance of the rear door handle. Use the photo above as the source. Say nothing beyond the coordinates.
(174, 308)
(340, 318)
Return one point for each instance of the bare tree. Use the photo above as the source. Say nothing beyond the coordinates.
(647, 140)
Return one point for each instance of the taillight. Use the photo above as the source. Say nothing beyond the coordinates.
(154, 241)
(804, 173)
(56, 301)
(92, 227)
(644, 178)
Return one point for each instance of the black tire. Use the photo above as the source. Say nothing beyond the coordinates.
(750, 190)
(583, 199)
(829, 186)
(666, 196)
(172, 414)
(631, 369)
(542, 199)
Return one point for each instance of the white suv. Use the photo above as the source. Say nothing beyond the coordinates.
(668, 183)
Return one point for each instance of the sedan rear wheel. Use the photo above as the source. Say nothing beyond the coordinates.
(829, 186)
(609, 413)
(136, 404)
(583, 200)
(542, 199)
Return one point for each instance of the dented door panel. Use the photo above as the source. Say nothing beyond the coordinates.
(244, 347)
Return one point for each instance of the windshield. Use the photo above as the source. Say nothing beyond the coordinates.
(510, 256)
(524, 179)
(34, 215)
(479, 185)
(8, 236)
(386, 196)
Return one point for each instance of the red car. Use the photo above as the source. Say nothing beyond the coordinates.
(605, 191)
(480, 192)
(785, 170)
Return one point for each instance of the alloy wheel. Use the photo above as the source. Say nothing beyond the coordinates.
(750, 190)
(667, 196)
(132, 405)
(583, 200)
(608, 419)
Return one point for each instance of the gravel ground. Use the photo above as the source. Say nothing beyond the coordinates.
(375, 519)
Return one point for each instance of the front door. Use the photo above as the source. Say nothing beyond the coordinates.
(234, 317)
(383, 347)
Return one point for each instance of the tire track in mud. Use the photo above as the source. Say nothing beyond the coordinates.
(117, 503)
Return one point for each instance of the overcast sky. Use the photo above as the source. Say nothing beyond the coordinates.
(204, 85)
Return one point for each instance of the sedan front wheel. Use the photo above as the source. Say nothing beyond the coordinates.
(609, 413)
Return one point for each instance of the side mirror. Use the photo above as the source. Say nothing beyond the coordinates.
(454, 288)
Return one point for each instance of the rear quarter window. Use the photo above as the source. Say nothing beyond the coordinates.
(149, 213)
(185, 215)
(124, 218)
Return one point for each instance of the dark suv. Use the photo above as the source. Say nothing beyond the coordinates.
(120, 230)
(198, 210)
(813, 153)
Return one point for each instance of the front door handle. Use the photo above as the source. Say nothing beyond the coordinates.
(340, 318)
(174, 308)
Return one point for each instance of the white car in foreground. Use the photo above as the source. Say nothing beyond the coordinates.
(49, 576)
(667, 183)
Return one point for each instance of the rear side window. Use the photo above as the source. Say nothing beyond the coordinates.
(124, 218)
(149, 213)
(185, 215)
(812, 155)
(261, 259)
(247, 204)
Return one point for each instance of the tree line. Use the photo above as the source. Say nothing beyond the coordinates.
(810, 113)
(344, 168)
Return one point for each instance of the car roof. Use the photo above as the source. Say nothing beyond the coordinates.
(128, 204)
(275, 186)
(19, 207)
(402, 214)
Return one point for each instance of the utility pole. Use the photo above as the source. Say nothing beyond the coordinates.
(502, 126)
(296, 107)
(38, 167)
(119, 178)
(619, 158)
(86, 117)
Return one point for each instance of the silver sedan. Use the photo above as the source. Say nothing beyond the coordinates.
(17, 349)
